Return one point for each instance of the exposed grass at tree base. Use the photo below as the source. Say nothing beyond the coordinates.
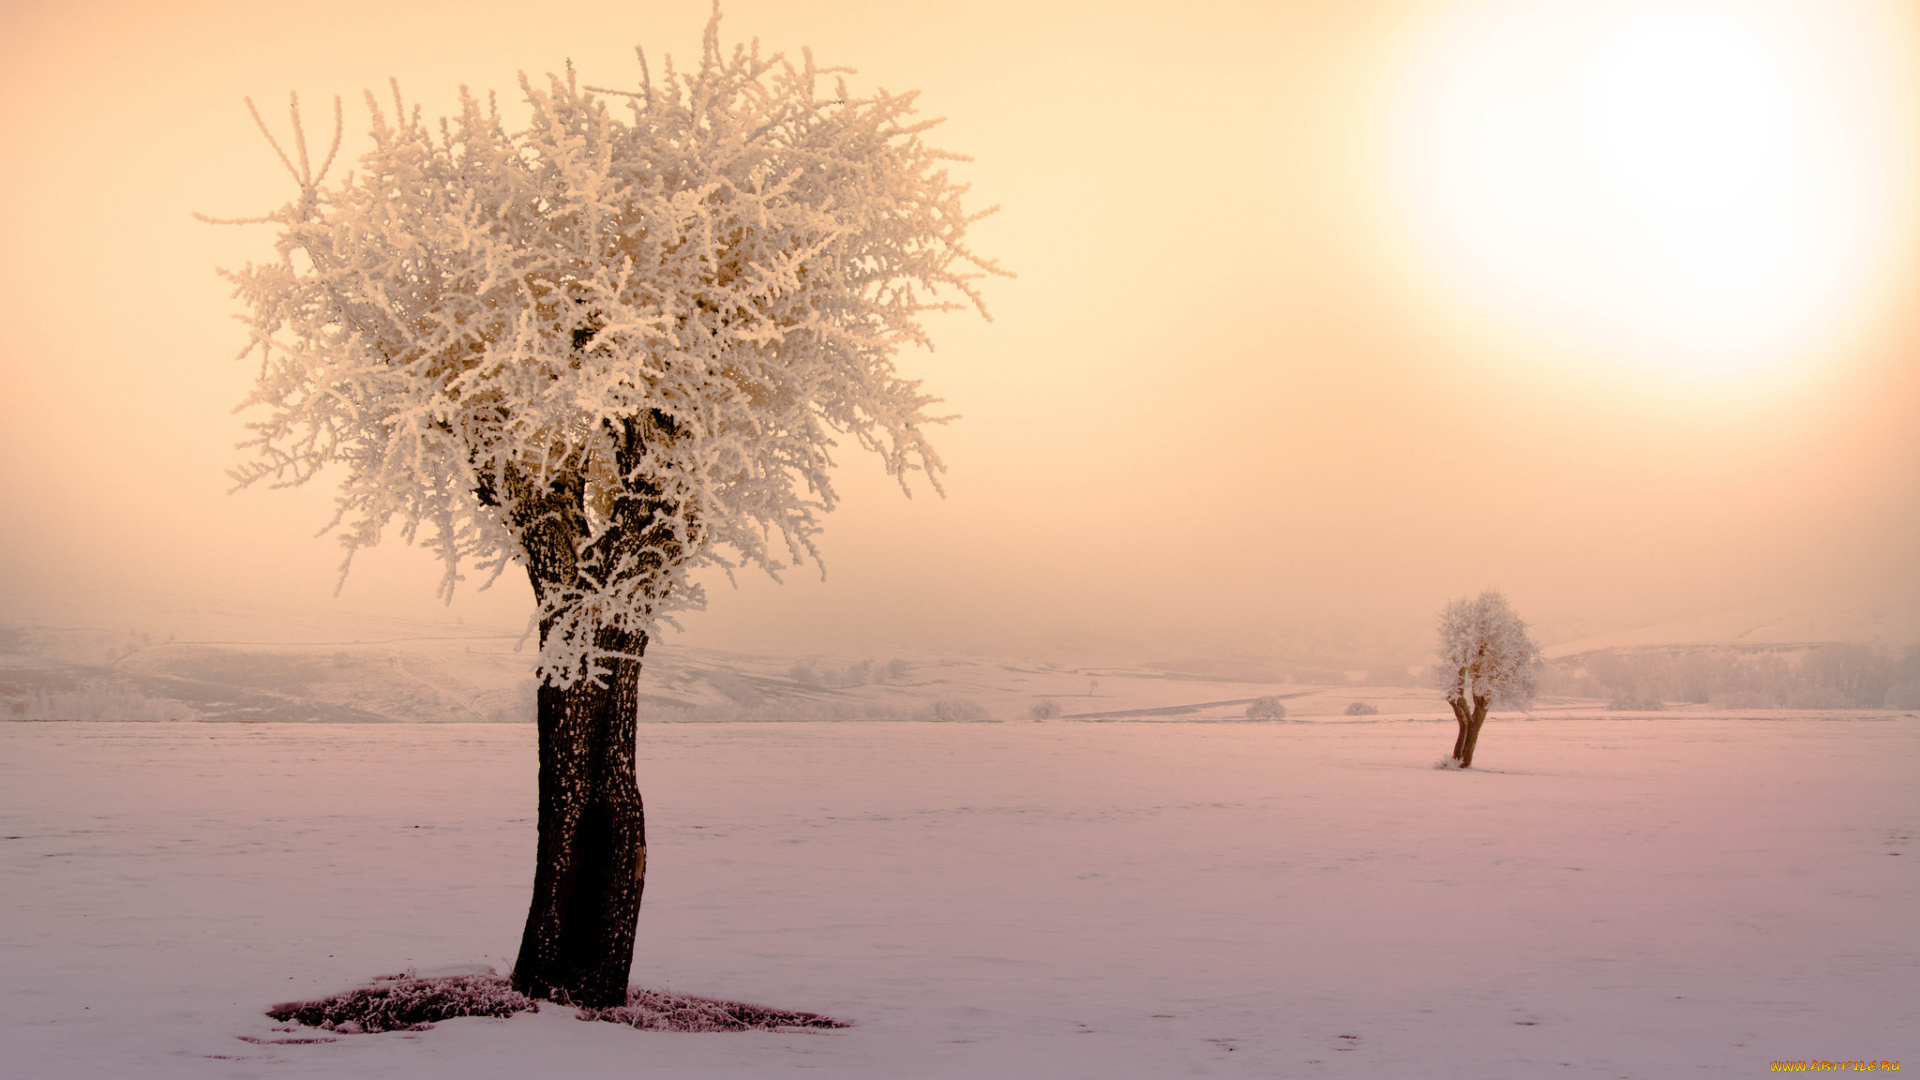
(407, 1003)
(651, 1010)
(402, 1003)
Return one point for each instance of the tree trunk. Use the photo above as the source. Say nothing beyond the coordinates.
(578, 943)
(592, 854)
(1471, 735)
(1460, 714)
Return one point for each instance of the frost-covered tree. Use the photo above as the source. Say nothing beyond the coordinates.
(612, 346)
(1266, 708)
(1485, 657)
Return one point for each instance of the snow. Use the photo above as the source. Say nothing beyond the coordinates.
(1626, 897)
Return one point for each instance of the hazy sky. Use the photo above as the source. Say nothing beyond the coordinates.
(1327, 311)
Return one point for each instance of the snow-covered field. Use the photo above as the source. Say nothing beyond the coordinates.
(1672, 896)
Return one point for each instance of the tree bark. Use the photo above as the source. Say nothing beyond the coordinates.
(1461, 715)
(578, 942)
(592, 852)
(1471, 735)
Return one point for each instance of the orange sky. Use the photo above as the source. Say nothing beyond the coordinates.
(1232, 396)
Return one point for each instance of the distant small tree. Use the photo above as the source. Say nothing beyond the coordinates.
(1361, 708)
(952, 711)
(1485, 657)
(1044, 709)
(611, 347)
(1266, 708)
(1634, 699)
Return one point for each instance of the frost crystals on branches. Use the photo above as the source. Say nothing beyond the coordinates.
(614, 345)
(1485, 657)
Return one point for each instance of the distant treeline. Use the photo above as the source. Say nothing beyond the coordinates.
(864, 673)
(1837, 676)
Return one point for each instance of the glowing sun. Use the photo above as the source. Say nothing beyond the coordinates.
(1697, 185)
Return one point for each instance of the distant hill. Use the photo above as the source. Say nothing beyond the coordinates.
(1891, 622)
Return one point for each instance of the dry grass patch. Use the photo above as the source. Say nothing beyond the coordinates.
(651, 1010)
(406, 1003)
(409, 1003)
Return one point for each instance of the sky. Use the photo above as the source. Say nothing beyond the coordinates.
(1326, 312)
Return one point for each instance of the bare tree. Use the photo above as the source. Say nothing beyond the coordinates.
(612, 347)
(1485, 657)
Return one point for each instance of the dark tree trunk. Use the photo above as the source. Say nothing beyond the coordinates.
(578, 943)
(1471, 735)
(592, 853)
(1465, 720)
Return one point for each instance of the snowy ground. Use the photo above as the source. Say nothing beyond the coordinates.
(1676, 896)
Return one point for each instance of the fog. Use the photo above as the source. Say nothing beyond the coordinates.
(1230, 404)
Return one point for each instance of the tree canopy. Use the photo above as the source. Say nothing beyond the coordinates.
(1485, 652)
(626, 334)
